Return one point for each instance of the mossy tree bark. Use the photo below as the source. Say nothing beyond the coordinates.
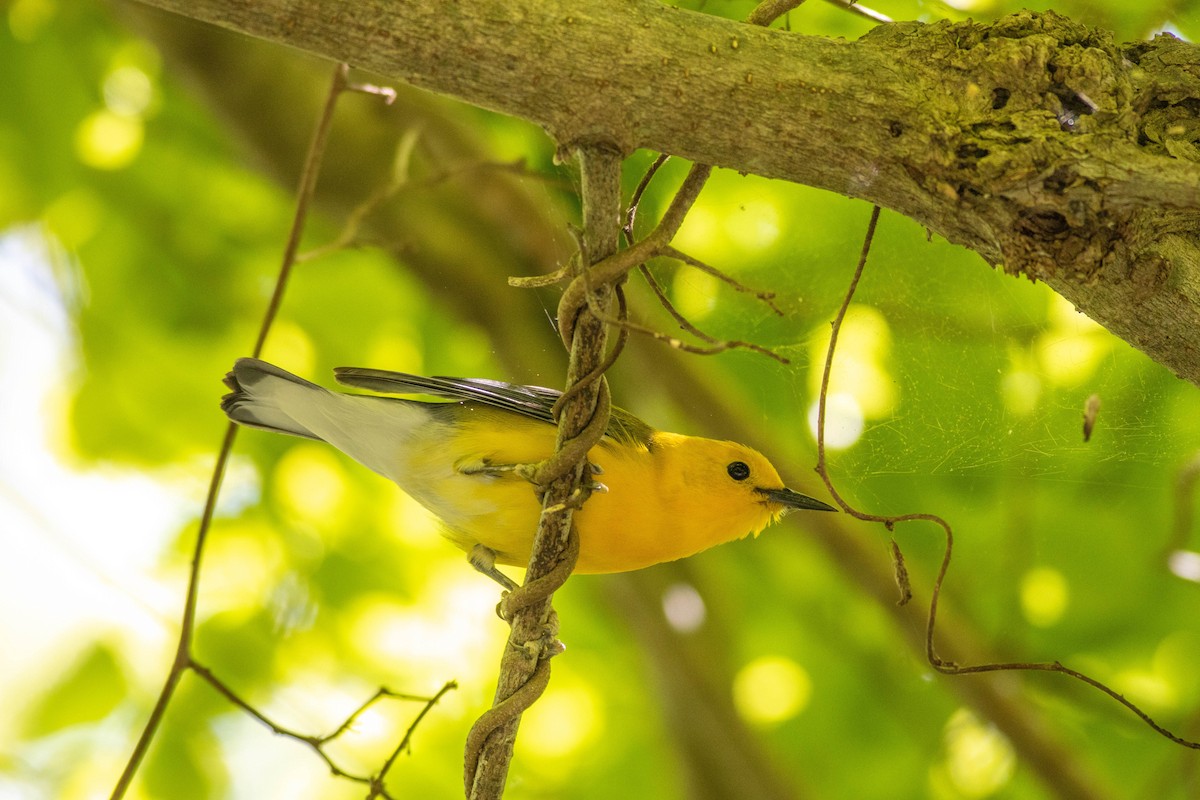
(1036, 141)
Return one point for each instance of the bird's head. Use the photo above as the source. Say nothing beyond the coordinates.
(735, 487)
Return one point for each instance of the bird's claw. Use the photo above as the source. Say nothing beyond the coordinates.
(483, 559)
(577, 498)
(547, 645)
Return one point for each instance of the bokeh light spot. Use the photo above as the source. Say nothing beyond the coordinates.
(1175, 660)
(290, 345)
(699, 231)
(979, 760)
(771, 689)
(1185, 564)
(109, 141)
(401, 352)
(444, 634)
(243, 566)
(694, 293)
(27, 18)
(1072, 348)
(753, 223)
(310, 483)
(1147, 687)
(1044, 596)
(74, 217)
(843, 421)
(1020, 390)
(127, 91)
(684, 607)
(412, 523)
(861, 368)
(564, 721)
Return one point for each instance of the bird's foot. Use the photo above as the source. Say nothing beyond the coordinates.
(483, 559)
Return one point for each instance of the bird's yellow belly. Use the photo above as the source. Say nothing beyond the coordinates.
(619, 529)
(634, 524)
(612, 539)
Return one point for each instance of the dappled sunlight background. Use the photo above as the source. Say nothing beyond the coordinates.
(145, 206)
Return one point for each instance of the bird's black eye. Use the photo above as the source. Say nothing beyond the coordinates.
(738, 470)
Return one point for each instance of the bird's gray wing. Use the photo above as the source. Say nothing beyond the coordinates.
(535, 402)
(529, 401)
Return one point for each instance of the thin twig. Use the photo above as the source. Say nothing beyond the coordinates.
(636, 199)
(381, 693)
(401, 179)
(687, 325)
(388, 93)
(890, 521)
(182, 659)
(833, 337)
(624, 325)
(854, 8)
(314, 742)
(539, 281)
(768, 11)
(354, 220)
(767, 298)
(317, 743)
(406, 742)
(715, 345)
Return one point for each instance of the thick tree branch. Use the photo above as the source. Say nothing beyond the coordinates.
(1035, 141)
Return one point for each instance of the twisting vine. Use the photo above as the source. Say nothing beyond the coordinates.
(561, 480)
(584, 316)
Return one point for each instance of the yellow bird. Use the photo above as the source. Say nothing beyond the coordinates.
(665, 496)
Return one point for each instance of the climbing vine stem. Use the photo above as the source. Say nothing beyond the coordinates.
(890, 521)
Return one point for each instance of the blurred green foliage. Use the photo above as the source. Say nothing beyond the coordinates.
(321, 583)
(85, 693)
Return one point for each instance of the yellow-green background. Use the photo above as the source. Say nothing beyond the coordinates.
(146, 174)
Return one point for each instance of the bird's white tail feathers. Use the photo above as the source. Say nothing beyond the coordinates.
(372, 430)
(262, 393)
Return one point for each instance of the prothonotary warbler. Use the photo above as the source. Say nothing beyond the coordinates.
(668, 496)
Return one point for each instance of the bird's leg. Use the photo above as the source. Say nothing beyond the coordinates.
(483, 559)
(585, 490)
(486, 468)
(529, 472)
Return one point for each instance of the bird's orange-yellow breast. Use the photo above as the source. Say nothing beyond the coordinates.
(663, 502)
(670, 501)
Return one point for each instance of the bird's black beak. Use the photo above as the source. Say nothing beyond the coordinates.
(792, 501)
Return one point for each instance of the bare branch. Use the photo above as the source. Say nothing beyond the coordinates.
(354, 221)
(183, 658)
(768, 298)
(317, 743)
